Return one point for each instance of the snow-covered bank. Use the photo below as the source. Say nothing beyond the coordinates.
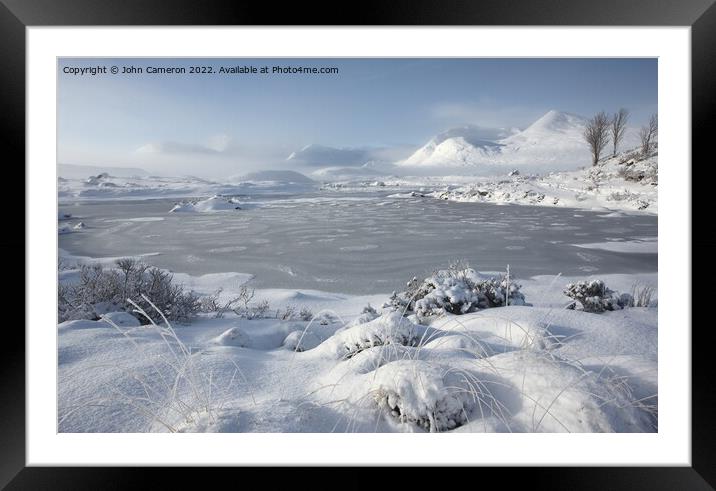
(626, 182)
(350, 367)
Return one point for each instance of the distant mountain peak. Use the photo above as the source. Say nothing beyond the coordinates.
(553, 139)
(554, 120)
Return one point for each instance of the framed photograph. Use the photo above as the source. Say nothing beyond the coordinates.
(252, 244)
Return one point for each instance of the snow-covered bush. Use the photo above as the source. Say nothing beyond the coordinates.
(240, 304)
(389, 329)
(292, 313)
(433, 397)
(594, 296)
(456, 290)
(99, 290)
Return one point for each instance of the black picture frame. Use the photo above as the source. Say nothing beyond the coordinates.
(16, 15)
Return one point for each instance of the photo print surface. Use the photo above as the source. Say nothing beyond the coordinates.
(357, 245)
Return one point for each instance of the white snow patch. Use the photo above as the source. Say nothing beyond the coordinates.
(648, 245)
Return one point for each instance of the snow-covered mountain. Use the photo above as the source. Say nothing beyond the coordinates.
(553, 142)
(459, 146)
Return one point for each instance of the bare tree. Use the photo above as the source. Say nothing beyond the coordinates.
(619, 121)
(648, 134)
(596, 134)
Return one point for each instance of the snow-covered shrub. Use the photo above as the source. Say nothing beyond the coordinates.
(130, 279)
(325, 318)
(240, 304)
(389, 329)
(305, 314)
(456, 290)
(367, 314)
(594, 296)
(288, 313)
(644, 170)
(433, 397)
(292, 313)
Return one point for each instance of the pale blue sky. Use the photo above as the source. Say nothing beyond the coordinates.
(213, 124)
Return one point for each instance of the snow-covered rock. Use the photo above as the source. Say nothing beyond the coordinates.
(234, 336)
(215, 203)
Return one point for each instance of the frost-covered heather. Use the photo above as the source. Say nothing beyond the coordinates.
(456, 290)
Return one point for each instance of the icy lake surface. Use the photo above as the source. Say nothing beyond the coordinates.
(361, 244)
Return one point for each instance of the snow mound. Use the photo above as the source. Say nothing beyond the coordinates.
(558, 395)
(301, 341)
(234, 336)
(459, 342)
(388, 329)
(512, 330)
(121, 319)
(215, 203)
(433, 397)
(287, 176)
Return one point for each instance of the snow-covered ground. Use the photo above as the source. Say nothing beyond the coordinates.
(625, 183)
(603, 186)
(537, 368)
